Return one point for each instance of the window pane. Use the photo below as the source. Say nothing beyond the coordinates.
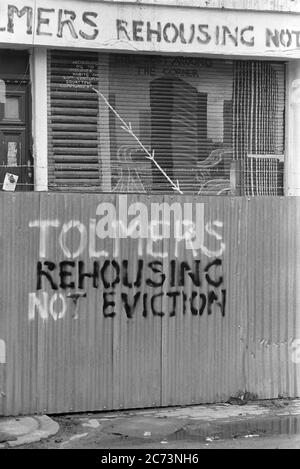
(180, 108)
(12, 108)
(213, 126)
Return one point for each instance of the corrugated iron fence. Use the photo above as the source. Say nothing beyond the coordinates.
(114, 301)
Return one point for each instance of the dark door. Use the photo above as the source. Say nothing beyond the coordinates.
(15, 143)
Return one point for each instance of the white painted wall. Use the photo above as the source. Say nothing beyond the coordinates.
(259, 5)
(2, 352)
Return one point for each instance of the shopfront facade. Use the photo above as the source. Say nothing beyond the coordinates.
(212, 92)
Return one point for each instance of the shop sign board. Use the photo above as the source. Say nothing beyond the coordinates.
(148, 28)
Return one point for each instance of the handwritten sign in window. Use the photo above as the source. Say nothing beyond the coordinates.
(82, 75)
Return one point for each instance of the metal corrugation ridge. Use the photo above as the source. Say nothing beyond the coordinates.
(137, 333)
(273, 283)
(19, 249)
(202, 351)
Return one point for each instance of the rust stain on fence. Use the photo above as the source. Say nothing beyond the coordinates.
(114, 301)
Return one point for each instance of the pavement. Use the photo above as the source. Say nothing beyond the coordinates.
(171, 427)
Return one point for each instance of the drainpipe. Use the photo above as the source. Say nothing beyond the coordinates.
(39, 118)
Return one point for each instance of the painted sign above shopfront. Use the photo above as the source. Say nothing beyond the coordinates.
(114, 26)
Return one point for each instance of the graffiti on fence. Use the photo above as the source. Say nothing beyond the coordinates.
(146, 287)
(150, 225)
(159, 280)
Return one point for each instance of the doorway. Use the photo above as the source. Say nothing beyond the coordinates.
(16, 164)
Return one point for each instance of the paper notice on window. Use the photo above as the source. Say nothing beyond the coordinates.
(10, 182)
(12, 152)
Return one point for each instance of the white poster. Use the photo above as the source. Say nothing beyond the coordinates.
(10, 182)
(12, 152)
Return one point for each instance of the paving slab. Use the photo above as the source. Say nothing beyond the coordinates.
(140, 427)
(15, 431)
